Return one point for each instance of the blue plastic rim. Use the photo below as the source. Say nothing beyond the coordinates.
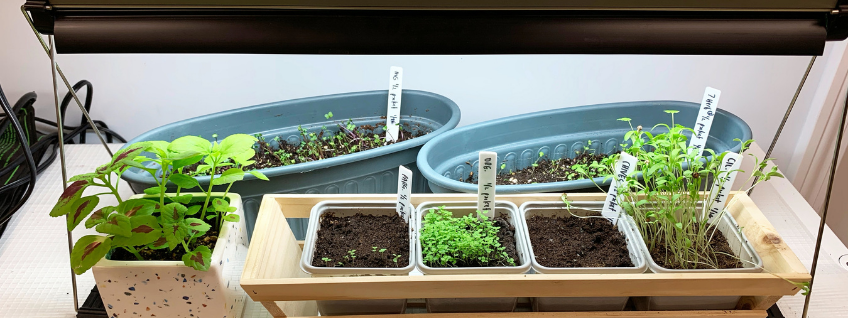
(559, 133)
(370, 171)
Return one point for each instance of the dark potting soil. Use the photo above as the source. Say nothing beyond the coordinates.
(577, 242)
(359, 241)
(269, 156)
(545, 171)
(506, 237)
(719, 244)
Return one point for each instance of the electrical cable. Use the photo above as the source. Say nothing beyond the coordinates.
(33, 169)
(14, 194)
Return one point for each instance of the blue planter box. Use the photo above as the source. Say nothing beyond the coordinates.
(558, 133)
(370, 171)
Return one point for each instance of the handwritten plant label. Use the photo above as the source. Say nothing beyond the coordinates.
(723, 183)
(623, 168)
(709, 107)
(404, 206)
(393, 113)
(486, 174)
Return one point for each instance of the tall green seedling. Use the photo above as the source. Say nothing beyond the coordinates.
(160, 220)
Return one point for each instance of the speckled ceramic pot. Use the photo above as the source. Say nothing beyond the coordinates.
(170, 289)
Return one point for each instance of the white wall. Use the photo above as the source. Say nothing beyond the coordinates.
(135, 93)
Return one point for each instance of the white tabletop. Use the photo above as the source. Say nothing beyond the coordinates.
(35, 270)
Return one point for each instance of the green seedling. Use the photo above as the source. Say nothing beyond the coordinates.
(161, 220)
(667, 205)
(449, 242)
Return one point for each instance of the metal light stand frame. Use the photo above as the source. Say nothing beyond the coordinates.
(55, 69)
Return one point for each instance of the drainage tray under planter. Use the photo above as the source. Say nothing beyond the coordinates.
(370, 171)
(560, 133)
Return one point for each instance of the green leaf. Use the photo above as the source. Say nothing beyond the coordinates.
(190, 146)
(624, 119)
(671, 111)
(160, 243)
(197, 225)
(232, 209)
(66, 200)
(229, 176)
(184, 199)
(117, 224)
(136, 207)
(175, 234)
(99, 216)
(80, 209)
(128, 154)
(232, 217)
(258, 175)
(184, 181)
(84, 176)
(200, 258)
(173, 213)
(220, 205)
(192, 210)
(237, 144)
(179, 163)
(87, 251)
(152, 191)
(145, 230)
(244, 157)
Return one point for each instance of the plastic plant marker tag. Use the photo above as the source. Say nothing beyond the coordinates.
(623, 168)
(393, 112)
(486, 176)
(721, 187)
(709, 107)
(404, 206)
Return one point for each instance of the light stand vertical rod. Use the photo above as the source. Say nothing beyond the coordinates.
(823, 223)
(62, 155)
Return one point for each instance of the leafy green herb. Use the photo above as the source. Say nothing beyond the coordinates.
(163, 221)
(448, 242)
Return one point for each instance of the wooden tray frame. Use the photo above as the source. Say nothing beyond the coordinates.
(272, 273)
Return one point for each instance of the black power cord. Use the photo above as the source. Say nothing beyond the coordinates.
(6, 215)
(18, 187)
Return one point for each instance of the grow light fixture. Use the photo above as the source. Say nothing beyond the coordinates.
(749, 27)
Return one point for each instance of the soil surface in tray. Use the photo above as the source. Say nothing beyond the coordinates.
(577, 242)
(719, 244)
(344, 141)
(362, 240)
(545, 171)
(506, 237)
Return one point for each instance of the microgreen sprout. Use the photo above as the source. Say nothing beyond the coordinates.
(448, 241)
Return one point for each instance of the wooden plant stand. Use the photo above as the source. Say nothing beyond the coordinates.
(272, 273)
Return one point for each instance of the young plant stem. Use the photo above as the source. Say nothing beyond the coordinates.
(134, 252)
(208, 192)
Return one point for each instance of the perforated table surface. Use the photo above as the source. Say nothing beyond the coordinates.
(35, 270)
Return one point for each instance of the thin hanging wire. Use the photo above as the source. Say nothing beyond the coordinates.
(785, 117)
(62, 156)
(67, 84)
(833, 164)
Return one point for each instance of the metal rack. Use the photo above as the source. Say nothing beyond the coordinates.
(716, 27)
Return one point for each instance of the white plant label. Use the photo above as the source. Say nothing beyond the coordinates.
(709, 107)
(623, 168)
(486, 174)
(404, 205)
(723, 183)
(393, 113)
